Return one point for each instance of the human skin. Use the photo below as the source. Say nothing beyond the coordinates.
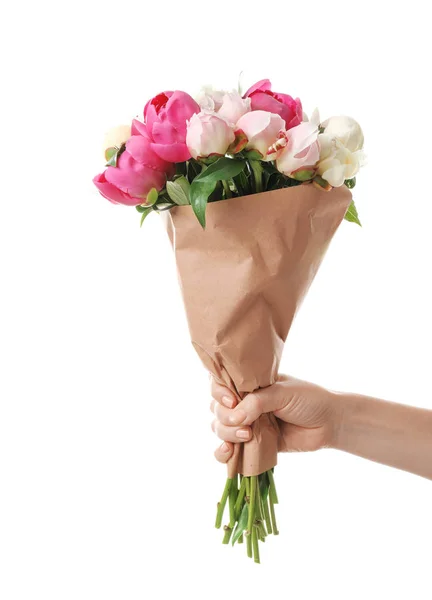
(311, 417)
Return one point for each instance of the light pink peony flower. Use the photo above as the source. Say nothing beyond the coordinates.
(299, 157)
(208, 135)
(165, 118)
(262, 98)
(262, 129)
(138, 170)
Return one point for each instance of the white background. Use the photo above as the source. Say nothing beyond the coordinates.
(108, 484)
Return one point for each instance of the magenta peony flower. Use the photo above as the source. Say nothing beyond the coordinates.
(138, 170)
(262, 98)
(165, 118)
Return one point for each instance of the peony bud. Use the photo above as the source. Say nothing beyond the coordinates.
(208, 135)
(262, 130)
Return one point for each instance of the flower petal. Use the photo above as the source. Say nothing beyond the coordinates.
(179, 109)
(140, 149)
(139, 128)
(262, 85)
(113, 194)
(134, 178)
(173, 153)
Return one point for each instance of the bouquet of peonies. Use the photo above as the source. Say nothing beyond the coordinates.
(251, 192)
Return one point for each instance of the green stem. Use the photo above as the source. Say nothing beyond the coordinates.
(227, 535)
(262, 531)
(267, 516)
(227, 189)
(273, 517)
(272, 489)
(222, 503)
(255, 545)
(252, 503)
(240, 497)
(259, 510)
(249, 543)
(232, 501)
(257, 170)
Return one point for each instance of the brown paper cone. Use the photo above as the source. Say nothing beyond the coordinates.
(243, 279)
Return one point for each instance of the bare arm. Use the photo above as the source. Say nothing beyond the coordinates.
(392, 434)
(311, 417)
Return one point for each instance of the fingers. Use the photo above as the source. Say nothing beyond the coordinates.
(253, 405)
(222, 414)
(231, 434)
(222, 394)
(224, 452)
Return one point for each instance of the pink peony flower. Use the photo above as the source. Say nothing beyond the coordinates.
(138, 170)
(262, 130)
(301, 153)
(208, 135)
(262, 98)
(165, 118)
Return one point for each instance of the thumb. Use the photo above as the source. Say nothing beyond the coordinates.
(253, 405)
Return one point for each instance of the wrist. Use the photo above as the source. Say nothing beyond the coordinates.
(344, 408)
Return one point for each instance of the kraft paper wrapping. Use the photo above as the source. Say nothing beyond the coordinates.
(243, 279)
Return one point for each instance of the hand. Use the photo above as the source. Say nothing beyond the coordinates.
(308, 416)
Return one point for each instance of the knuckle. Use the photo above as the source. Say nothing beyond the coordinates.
(255, 404)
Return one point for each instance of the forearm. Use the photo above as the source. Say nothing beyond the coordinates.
(392, 434)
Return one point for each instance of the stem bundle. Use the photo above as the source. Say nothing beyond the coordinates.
(251, 511)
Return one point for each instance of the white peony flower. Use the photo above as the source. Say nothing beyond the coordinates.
(346, 130)
(337, 163)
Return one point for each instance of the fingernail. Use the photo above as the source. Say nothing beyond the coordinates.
(224, 448)
(243, 434)
(228, 401)
(237, 417)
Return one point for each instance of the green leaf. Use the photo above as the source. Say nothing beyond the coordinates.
(253, 155)
(257, 171)
(303, 174)
(352, 214)
(111, 155)
(194, 168)
(242, 523)
(152, 197)
(350, 183)
(178, 191)
(223, 168)
(110, 152)
(145, 213)
(199, 194)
